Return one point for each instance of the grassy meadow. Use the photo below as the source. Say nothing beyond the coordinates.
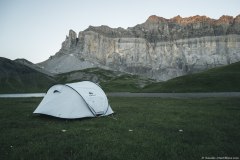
(141, 128)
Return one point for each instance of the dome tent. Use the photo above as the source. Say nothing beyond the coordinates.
(75, 100)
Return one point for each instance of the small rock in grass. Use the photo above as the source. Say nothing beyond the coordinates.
(130, 130)
(63, 130)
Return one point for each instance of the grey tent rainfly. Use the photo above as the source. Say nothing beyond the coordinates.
(75, 100)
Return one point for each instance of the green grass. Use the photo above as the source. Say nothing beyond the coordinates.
(89, 74)
(110, 81)
(210, 128)
(18, 78)
(125, 83)
(30, 83)
(220, 79)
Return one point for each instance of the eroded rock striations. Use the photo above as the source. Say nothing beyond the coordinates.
(159, 48)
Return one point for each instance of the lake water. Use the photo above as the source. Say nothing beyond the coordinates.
(22, 95)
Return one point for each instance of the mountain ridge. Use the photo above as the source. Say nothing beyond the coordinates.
(178, 20)
(159, 48)
(19, 78)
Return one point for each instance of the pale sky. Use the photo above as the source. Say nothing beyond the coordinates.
(35, 29)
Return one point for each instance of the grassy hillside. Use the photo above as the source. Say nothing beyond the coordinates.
(110, 81)
(18, 78)
(126, 83)
(221, 79)
(141, 129)
(90, 74)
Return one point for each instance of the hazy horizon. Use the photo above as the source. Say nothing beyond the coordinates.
(34, 30)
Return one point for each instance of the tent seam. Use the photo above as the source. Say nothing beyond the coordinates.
(90, 108)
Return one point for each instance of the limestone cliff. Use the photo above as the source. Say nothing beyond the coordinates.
(159, 48)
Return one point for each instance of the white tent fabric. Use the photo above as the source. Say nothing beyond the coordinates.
(75, 100)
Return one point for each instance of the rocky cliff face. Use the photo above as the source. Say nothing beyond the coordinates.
(159, 48)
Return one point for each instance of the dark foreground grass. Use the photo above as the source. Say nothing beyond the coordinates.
(142, 128)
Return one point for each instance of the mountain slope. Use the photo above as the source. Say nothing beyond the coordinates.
(221, 79)
(33, 66)
(110, 81)
(18, 78)
(159, 48)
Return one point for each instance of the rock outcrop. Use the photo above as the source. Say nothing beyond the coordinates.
(159, 48)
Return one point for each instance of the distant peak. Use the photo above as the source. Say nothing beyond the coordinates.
(72, 34)
(154, 19)
(177, 19)
(98, 28)
(23, 61)
(237, 19)
(225, 19)
(192, 19)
